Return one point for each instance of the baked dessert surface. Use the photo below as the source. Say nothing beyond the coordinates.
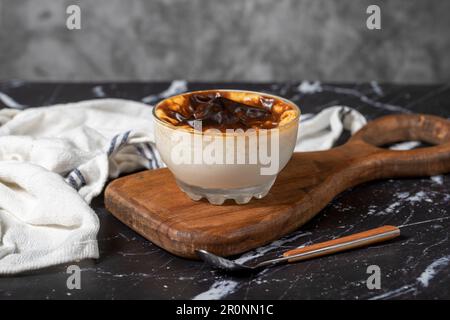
(224, 110)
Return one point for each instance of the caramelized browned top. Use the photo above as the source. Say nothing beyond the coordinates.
(225, 110)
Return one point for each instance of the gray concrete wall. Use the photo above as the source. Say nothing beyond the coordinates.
(239, 40)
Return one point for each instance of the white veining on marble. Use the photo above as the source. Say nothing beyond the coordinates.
(424, 279)
(15, 83)
(376, 88)
(98, 92)
(395, 293)
(432, 270)
(401, 199)
(176, 87)
(366, 99)
(438, 179)
(419, 196)
(218, 290)
(420, 199)
(407, 145)
(99, 271)
(390, 209)
(10, 102)
(307, 87)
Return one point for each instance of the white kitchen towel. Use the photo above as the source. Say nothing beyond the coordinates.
(54, 160)
(320, 132)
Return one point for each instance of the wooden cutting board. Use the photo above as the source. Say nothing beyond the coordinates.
(150, 202)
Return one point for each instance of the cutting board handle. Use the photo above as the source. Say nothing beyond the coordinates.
(406, 127)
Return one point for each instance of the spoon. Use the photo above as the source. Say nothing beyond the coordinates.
(353, 241)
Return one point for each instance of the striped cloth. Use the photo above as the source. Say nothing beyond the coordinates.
(54, 160)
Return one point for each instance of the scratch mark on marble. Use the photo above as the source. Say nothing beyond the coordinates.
(363, 98)
(124, 236)
(130, 254)
(425, 251)
(289, 288)
(109, 238)
(422, 222)
(166, 263)
(307, 87)
(196, 274)
(430, 95)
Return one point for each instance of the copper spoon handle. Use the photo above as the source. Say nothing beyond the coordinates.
(353, 241)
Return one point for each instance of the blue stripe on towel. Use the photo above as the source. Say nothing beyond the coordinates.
(142, 153)
(124, 138)
(80, 176)
(72, 182)
(112, 145)
(150, 147)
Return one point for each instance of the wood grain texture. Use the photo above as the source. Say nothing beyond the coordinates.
(352, 241)
(151, 204)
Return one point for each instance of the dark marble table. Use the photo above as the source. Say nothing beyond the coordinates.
(417, 265)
